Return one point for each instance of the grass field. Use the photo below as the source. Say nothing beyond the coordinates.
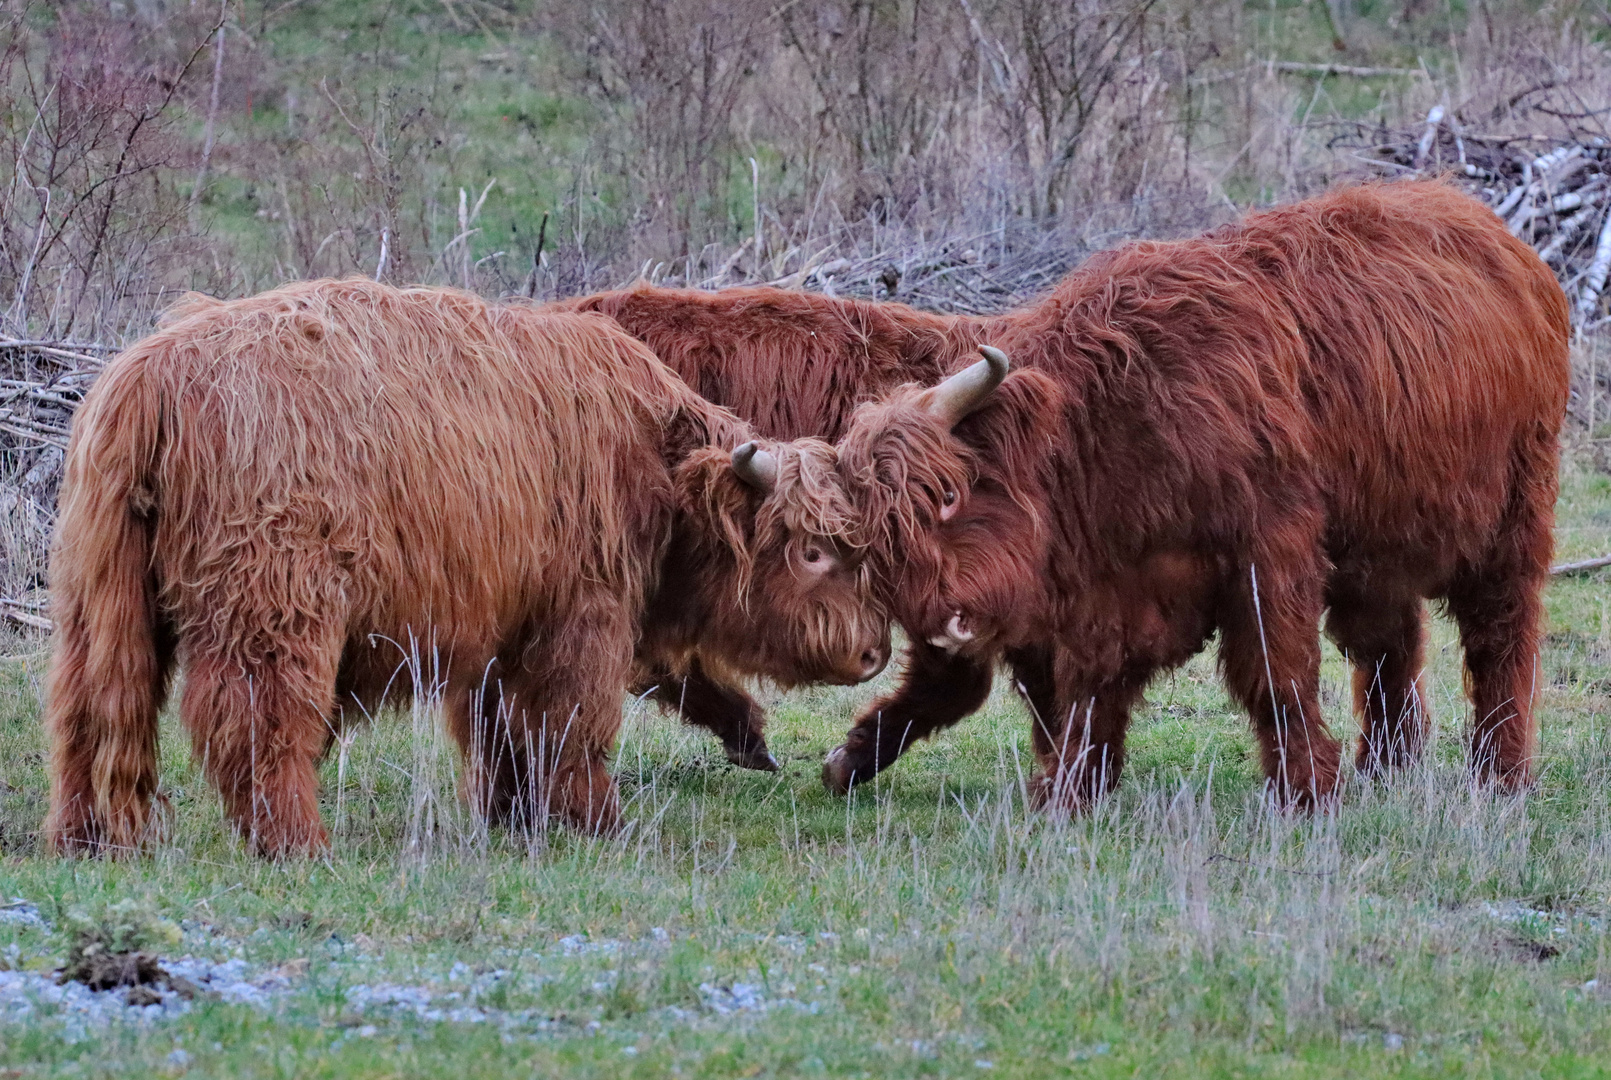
(751, 925)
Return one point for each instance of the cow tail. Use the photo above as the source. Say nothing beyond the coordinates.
(109, 666)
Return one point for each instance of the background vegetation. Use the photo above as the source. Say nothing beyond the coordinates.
(148, 146)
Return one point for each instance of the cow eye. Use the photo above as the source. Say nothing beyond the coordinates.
(813, 555)
(949, 498)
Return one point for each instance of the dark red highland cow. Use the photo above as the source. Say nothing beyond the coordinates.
(1345, 407)
(793, 364)
(288, 494)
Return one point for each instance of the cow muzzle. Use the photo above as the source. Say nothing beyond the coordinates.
(873, 661)
(860, 665)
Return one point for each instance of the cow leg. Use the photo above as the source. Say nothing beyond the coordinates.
(725, 711)
(937, 690)
(1270, 655)
(1383, 634)
(479, 703)
(1079, 743)
(1034, 679)
(1498, 609)
(548, 737)
(259, 725)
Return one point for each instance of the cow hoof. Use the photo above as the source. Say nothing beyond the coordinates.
(758, 758)
(838, 774)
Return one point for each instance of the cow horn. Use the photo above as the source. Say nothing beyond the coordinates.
(968, 389)
(756, 467)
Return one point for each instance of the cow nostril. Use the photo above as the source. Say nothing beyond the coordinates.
(871, 659)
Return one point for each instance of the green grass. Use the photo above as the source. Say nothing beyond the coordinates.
(928, 927)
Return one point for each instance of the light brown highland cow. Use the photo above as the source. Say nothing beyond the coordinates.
(286, 493)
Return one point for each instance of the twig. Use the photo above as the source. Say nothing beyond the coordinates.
(1433, 119)
(380, 263)
(58, 351)
(41, 343)
(1598, 270)
(537, 257)
(25, 619)
(1293, 67)
(1566, 232)
(755, 201)
(19, 307)
(212, 114)
(1581, 567)
(1571, 115)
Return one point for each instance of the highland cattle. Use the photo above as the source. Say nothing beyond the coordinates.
(1336, 409)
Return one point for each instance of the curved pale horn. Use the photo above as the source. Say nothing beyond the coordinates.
(756, 467)
(968, 389)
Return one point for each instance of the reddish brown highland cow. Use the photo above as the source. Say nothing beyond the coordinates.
(1346, 407)
(288, 493)
(793, 364)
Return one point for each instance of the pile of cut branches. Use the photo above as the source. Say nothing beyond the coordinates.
(980, 272)
(41, 384)
(970, 275)
(1552, 192)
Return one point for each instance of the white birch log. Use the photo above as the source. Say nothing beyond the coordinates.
(1594, 282)
(1567, 232)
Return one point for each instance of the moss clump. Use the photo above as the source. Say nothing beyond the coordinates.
(116, 944)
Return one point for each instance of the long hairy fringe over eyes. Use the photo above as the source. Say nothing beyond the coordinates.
(896, 481)
(807, 501)
(902, 461)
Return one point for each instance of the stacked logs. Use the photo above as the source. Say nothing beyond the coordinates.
(1553, 193)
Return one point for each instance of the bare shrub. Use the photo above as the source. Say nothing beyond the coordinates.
(92, 223)
(671, 73)
(878, 102)
(1053, 67)
(348, 171)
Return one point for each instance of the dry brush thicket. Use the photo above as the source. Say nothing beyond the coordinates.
(958, 155)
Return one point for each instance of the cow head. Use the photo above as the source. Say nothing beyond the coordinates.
(770, 579)
(947, 483)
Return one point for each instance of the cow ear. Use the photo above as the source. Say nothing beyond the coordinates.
(968, 389)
